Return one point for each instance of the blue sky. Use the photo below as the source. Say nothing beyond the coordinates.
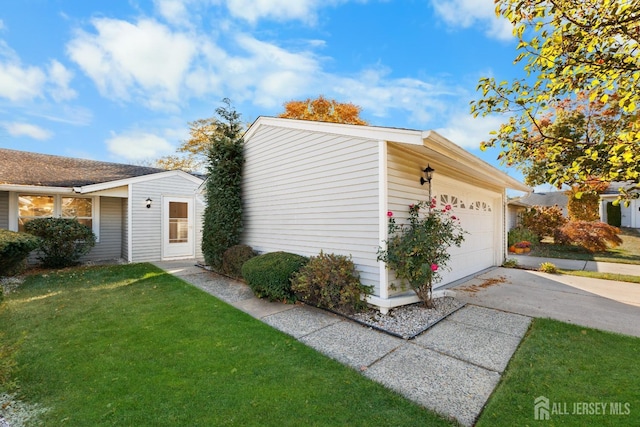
(120, 80)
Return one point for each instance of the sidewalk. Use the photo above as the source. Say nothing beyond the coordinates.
(574, 264)
(452, 368)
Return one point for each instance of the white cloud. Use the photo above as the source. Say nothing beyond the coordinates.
(144, 59)
(138, 145)
(469, 132)
(279, 10)
(18, 129)
(469, 13)
(18, 82)
(60, 77)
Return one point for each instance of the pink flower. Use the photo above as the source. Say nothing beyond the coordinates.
(454, 217)
(447, 208)
(434, 267)
(412, 207)
(389, 214)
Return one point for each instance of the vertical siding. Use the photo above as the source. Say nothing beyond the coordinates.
(146, 227)
(125, 229)
(4, 210)
(308, 191)
(481, 247)
(110, 245)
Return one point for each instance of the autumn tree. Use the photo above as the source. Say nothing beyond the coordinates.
(323, 110)
(574, 52)
(195, 148)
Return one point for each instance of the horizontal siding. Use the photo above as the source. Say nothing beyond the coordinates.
(110, 245)
(482, 244)
(146, 227)
(4, 210)
(307, 191)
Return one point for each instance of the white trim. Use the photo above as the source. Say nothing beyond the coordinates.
(36, 189)
(127, 181)
(383, 206)
(130, 223)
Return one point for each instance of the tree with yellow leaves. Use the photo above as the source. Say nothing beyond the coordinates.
(573, 51)
(323, 110)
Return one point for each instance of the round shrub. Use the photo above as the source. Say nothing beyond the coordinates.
(547, 267)
(269, 275)
(14, 250)
(331, 281)
(233, 259)
(64, 240)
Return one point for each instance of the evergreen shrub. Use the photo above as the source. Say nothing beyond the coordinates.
(14, 250)
(233, 259)
(269, 275)
(63, 240)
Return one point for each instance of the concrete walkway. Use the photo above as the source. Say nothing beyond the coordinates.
(451, 369)
(574, 264)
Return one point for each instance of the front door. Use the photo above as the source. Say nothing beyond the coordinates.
(178, 232)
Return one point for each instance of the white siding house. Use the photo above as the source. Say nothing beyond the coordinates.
(137, 213)
(311, 186)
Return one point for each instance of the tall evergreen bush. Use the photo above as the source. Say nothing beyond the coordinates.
(223, 213)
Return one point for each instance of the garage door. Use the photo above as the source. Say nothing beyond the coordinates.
(477, 215)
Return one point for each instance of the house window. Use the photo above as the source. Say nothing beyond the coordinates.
(31, 207)
(36, 206)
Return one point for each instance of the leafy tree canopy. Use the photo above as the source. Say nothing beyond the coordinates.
(323, 110)
(575, 116)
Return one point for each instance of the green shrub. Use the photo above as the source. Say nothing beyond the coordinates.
(592, 236)
(269, 275)
(331, 281)
(547, 267)
(510, 263)
(14, 250)
(233, 259)
(64, 240)
(521, 234)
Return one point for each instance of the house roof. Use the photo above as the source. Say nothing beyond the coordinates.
(33, 169)
(428, 143)
(551, 198)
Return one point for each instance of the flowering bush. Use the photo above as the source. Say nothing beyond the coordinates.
(417, 251)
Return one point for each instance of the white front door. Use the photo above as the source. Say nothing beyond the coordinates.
(178, 232)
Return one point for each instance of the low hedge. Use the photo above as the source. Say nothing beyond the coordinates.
(14, 250)
(269, 275)
(64, 240)
(234, 258)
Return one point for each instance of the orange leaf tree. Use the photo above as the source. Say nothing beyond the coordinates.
(323, 110)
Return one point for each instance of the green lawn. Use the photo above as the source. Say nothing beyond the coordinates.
(131, 345)
(578, 369)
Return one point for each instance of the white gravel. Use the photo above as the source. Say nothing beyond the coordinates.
(410, 320)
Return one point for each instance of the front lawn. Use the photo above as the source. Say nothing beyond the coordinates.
(132, 345)
(579, 370)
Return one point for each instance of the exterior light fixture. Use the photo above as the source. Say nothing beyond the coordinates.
(149, 202)
(428, 175)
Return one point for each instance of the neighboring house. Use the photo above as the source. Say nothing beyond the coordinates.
(520, 204)
(311, 186)
(629, 215)
(137, 213)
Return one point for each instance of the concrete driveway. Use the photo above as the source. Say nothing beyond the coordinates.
(601, 304)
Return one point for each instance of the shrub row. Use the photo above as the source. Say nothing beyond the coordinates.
(327, 280)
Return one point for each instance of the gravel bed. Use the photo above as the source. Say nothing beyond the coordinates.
(16, 413)
(409, 321)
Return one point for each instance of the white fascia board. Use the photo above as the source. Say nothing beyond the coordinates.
(122, 182)
(442, 145)
(374, 133)
(35, 189)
